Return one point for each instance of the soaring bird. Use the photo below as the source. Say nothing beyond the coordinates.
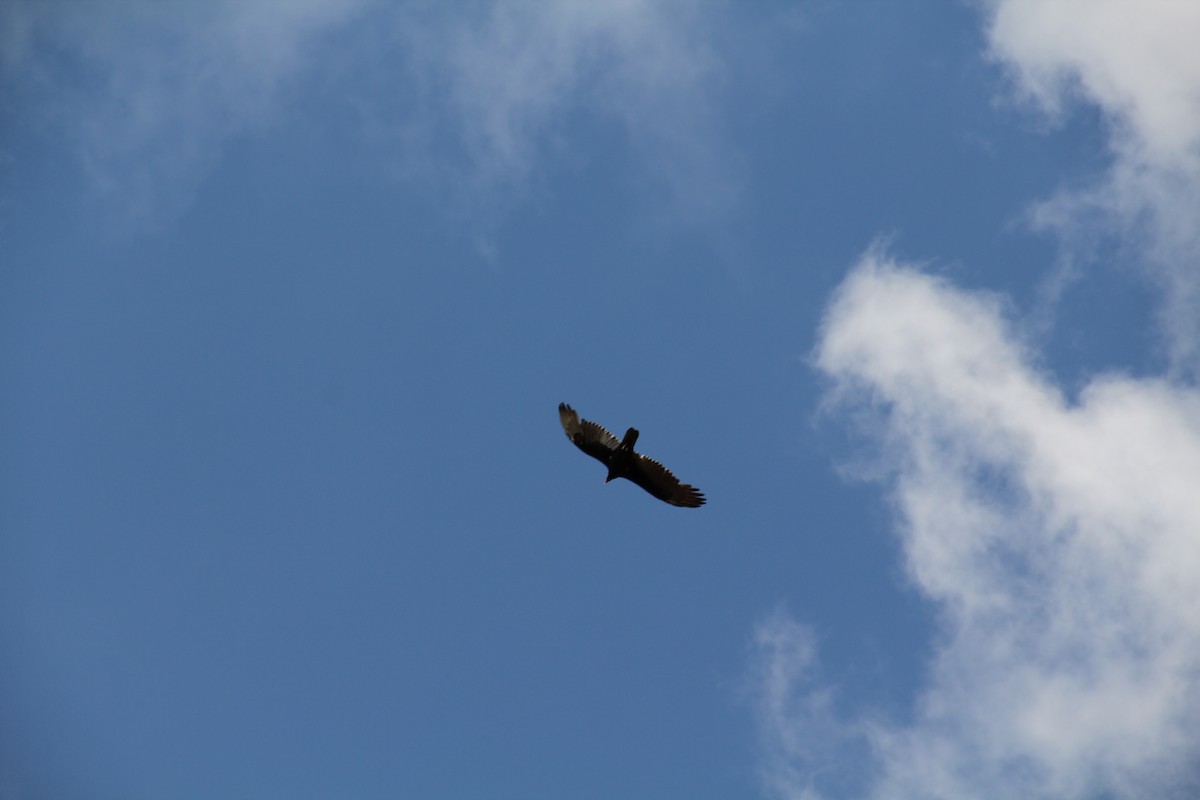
(623, 462)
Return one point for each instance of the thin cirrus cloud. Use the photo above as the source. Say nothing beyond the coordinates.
(149, 95)
(498, 86)
(1138, 63)
(1058, 541)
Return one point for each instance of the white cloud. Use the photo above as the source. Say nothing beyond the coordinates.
(1059, 541)
(1139, 64)
(501, 82)
(809, 751)
(1137, 61)
(1058, 538)
(149, 92)
(475, 97)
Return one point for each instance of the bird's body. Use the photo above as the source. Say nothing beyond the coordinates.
(623, 462)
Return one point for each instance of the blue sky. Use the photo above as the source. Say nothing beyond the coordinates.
(290, 292)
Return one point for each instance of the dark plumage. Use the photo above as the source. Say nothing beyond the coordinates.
(623, 462)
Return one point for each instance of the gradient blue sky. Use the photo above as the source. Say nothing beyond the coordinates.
(289, 292)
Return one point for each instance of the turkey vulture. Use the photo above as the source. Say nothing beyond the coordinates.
(622, 462)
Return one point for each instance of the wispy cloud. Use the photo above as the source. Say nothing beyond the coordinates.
(481, 94)
(1138, 63)
(1058, 540)
(149, 93)
(809, 749)
(501, 82)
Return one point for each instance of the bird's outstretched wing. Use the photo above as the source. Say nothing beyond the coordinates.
(658, 481)
(587, 436)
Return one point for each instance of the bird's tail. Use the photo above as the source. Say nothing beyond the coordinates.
(630, 439)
